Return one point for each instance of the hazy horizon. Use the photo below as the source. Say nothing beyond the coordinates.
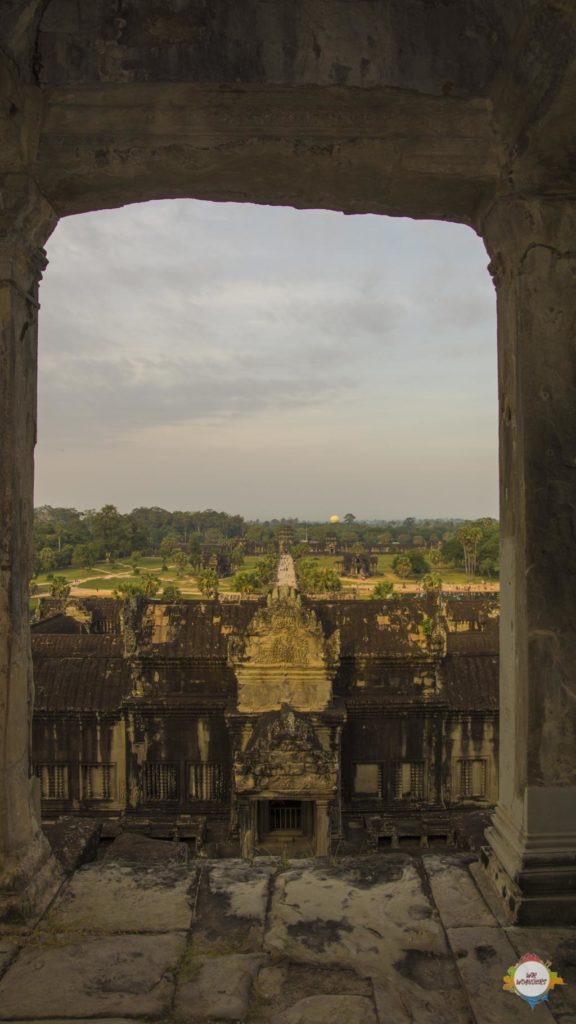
(269, 362)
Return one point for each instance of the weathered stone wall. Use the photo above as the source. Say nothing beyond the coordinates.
(460, 111)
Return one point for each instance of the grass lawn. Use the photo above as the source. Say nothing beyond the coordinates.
(105, 576)
(103, 582)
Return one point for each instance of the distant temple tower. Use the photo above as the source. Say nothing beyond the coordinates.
(285, 538)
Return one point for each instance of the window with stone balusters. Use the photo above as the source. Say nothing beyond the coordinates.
(98, 781)
(409, 780)
(471, 775)
(53, 781)
(206, 780)
(159, 781)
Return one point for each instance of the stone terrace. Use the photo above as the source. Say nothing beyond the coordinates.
(387, 939)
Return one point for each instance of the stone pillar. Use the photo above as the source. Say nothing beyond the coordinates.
(322, 830)
(247, 827)
(532, 851)
(28, 873)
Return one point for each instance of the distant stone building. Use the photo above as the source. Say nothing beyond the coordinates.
(242, 725)
(358, 563)
(285, 538)
(216, 557)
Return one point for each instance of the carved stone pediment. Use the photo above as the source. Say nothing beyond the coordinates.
(285, 633)
(285, 755)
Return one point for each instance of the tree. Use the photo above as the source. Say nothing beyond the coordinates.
(237, 557)
(207, 581)
(171, 594)
(180, 561)
(59, 587)
(267, 568)
(84, 555)
(47, 559)
(315, 580)
(150, 584)
(129, 588)
(111, 532)
(431, 583)
(168, 546)
(349, 518)
(418, 563)
(330, 581)
(383, 590)
(248, 582)
(300, 550)
(402, 566)
(469, 537)
(435, 556)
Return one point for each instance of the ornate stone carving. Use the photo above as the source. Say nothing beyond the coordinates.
(285, 633)
(285, 755)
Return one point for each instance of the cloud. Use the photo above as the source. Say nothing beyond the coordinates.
(359, 335)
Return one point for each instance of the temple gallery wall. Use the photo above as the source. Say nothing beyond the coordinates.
(253, 727)
(460, 112)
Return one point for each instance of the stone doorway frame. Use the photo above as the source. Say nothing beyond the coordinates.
(490, 152)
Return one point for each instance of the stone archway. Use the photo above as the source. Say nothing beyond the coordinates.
(461, 112)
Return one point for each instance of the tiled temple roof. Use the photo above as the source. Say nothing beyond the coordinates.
(81, 683)
(471, 681)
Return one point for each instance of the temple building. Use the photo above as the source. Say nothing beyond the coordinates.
(358, 563)
(243, 726)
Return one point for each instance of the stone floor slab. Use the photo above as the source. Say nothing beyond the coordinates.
(232, 904)
(558, 945)
(8, 950)
(457, 898)
(281, 984)
(115, 975)
(361, 914)
(329, 1010)
(414, 1003)
(108, 898)
(217, 988)
(483, 955)
(372, 915)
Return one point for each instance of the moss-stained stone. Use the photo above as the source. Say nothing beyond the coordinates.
(111, 898)
(232, 904)
(131, 974)
(216, 988)
(331, 1009)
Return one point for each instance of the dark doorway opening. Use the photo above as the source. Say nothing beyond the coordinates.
(285, 816)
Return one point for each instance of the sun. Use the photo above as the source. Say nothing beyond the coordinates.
(334, 519)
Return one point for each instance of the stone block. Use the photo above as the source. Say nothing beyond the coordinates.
(108, 897)
(74, 841)
(455, 893)
(132, 848)
(559, 946)
(217, 988)
(232, 904)
(365, 914)
(329, 1010)
(483, 955)
(124, 974)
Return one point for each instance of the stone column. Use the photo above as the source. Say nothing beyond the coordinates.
(532, 852)
(28, 873)
(322, 830)
(247, 827)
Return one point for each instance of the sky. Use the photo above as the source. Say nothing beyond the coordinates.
(267, 361)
